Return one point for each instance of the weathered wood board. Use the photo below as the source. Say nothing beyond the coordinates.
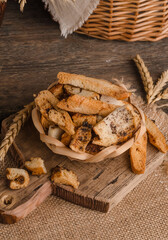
(102, 185)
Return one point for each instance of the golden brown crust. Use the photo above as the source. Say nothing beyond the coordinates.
(66, 139)
(156, 138)
(79, 118)
(80, 104)
(93, 84)
(64, 176)
(19, 178)
(45, 123)
(63, 120)
(93, 149)
(57, 90)
(81, 138)
(36, 166)
(138, 155)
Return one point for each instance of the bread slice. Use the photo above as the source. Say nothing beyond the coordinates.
(55, 132)
(81, 138)
(138, 154)
(63, 120)
(79, 118)
(117, 127)
(57, 90)
(85, 105)
(36, 166)
(64, 176)
(71, 90)
(66, 139)
(45, 97)
(156, 138)
(93, 84)
(92, 149)
(45, 123)
(19, 178)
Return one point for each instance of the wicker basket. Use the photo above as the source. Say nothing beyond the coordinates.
(128, 20)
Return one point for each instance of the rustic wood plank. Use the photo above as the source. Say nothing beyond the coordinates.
(102, 185)
(33, 52)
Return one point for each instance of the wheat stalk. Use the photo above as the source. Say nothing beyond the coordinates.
(22, 4)
(163, 95)
(159, 86)
(145, 75)
(18, 121)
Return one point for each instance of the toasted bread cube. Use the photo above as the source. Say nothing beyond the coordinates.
(45, 123)
(57, 90)
(19, 178)
(36, 166)
(64, 176)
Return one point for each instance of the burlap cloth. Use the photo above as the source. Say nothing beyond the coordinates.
(143, 214)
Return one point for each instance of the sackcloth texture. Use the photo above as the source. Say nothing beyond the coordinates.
(142, 214)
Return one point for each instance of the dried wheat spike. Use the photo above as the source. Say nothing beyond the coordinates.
(18, 121)
(145, 75)
(163, 95)
(159, 86)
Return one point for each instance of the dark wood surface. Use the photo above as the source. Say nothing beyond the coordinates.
(32, 52)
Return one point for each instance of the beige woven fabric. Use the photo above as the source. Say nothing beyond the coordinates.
(143, 214)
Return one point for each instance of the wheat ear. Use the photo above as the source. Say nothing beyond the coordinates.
(163, 95)
(145, 75)
(18, 121)
(159, 86)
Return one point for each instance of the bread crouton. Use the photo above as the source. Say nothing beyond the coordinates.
(81, 138)
(66, 139)
(138, 155)
(55, 132)
(156, 138)
(64, 176)
(79, 118)
(117, 127)
(92, 149)
(45, 123)
(57, 90)
(36, 166)
(84, 105)
(63, 120)
(45, 97)
(71, 90)
(92, 84)
(19, 178)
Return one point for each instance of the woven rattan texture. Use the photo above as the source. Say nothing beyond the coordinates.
(128, 20)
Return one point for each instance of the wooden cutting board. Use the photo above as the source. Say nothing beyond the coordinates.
(102, 185)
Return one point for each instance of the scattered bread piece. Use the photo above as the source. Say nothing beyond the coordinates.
(117, 127)
(45, 97)
(19, 178)
(85, 105)
(36, 166)
(156, 138)
(71, 90)
(64, 176)
(57, 90)
(66, 139)
(45, 123)
(55, 132)
(138, 154)
(93, 84)
(79, 118)
(63, 120)
(92, 149)
(81, 138)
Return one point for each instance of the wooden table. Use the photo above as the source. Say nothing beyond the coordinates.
(32, 52)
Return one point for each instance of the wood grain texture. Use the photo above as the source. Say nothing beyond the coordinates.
(102, 185)
(32, 52)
